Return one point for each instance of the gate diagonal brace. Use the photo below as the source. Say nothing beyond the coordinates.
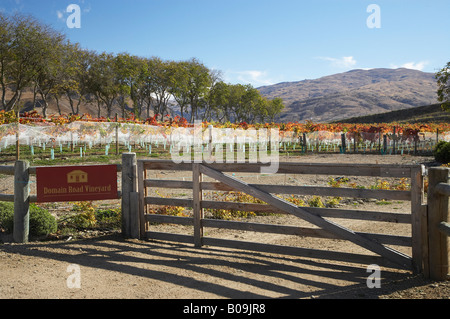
(394, 256)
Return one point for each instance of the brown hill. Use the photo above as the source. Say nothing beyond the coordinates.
(353, 93)
(420, 114)
(26, 103)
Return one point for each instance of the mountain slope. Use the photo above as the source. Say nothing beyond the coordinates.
(420, 114)
(353, 93)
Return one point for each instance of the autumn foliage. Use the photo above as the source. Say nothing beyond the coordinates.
(167, 121)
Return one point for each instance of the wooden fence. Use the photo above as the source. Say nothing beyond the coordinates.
(317, 216)
(429, 240)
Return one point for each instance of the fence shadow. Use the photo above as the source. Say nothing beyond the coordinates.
(218, 272)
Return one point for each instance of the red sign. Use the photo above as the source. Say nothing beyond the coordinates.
(76, 183)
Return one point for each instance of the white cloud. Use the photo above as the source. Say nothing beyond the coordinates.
(60, 15)
(86, 9)
(344, 62)
(253, 77)
(412, 65)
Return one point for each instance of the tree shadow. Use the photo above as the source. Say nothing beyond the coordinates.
(222, 272)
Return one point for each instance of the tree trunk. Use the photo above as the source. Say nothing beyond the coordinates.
(57, 105)
(99, 108)
(71, 104)
(12, 102)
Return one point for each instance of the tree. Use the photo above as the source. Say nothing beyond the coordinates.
(160, 81)
(192, 80)
(245, 103)
(215, 87)
(49, 68)
(34, 56)
(103, 82)
(25, 42)
(241, 103)
(74, 77)
(6, 56)
(218, 97)
(274, 107)
(443, 81)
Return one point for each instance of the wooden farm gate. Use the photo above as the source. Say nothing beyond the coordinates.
(376, 243)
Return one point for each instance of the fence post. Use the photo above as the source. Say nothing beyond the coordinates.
(197, 204)
(21, 202)
(419, 221)
(129, 181)
(438, 211)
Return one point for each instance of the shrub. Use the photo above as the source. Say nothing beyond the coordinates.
(88, 216)
(84, 217)
(110, 218)
(333, 202)
(232, 196)
(316, 201)
(42, 222)
(442, 152)
(295, 200)
(381, 185)
(7, 216)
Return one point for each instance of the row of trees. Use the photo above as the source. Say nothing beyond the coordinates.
(35, 57)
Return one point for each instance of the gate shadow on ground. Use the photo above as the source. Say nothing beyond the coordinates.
(219, 272)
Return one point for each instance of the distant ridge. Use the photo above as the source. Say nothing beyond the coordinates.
(353, 93)
(422, 114)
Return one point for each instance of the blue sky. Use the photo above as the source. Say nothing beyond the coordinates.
(260, 42)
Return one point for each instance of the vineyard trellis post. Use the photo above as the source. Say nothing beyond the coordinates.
(343, 143)
(394, 140)
(117, 135)
(17, 137)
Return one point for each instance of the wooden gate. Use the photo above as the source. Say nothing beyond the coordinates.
(377, 243)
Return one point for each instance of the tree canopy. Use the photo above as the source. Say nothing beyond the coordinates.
(35, 57)
(443, 80)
